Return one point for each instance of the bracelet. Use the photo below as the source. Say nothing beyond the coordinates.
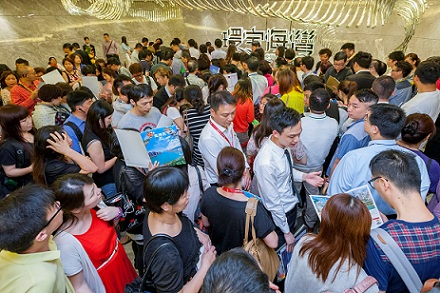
(119, 214)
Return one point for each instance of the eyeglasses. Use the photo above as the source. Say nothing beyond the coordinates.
(58, 205)
(371, 181)
(137, 75)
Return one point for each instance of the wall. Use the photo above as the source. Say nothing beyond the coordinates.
(35, 30)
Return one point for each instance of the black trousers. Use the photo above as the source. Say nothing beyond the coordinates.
(291, 220)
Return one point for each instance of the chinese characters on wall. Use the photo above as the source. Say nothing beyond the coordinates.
(302, 41)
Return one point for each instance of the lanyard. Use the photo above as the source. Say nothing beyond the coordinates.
(221, 133)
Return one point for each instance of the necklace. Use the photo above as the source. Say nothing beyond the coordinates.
(232, 190)
(163, 222)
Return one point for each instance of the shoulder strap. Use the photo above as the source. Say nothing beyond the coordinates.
(75, 129)
(397, 259)
(171, 242)
(199, 176)
(251, 212)
(428, 165)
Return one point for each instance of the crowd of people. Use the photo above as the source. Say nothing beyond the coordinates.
(289, 128)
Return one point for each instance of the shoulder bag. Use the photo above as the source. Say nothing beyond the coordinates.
(265, 256)
(401, 263)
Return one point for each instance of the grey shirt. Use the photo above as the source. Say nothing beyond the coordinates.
(300, 277)
(141, 123)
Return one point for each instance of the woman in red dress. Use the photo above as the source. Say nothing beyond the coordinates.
(78, 196)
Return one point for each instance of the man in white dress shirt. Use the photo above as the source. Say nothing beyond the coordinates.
(219, 133)
(274, 173)
(218, 53)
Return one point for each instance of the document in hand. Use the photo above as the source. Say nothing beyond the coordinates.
(332, 83)
(363, 193)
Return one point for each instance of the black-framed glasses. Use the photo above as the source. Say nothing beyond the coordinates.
(58, 205)
(371, 181)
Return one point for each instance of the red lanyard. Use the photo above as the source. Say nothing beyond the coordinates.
(232, 190)
(221, 133)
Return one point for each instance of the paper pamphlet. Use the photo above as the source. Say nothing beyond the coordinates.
(163, 145)
(52, 77)
(363, 193)
(133, 148)
(232, 79)
(92, 83)
(332, 83)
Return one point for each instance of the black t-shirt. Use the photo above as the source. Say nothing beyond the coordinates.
(12, 152)
(56, 168)
(106, 177)
(172, 268)
(227, 219)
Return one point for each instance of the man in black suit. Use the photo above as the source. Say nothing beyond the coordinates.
(165, 92)
(361, 65)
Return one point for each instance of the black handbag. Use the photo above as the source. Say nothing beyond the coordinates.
(132, 214)
(145, 284)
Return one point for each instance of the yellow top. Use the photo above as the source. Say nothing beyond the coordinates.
(33, 272)
(294, 100)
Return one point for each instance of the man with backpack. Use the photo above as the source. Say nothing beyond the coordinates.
(79, 102)
(396, 177)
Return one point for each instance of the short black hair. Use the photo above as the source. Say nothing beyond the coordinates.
(325, 51)
(113, 61)
(311, 86)
(88, 69)
(119, 81)
(67, 46)
(144, 53)
(289, 54)
(366, 96)
(379, 66)
(253, 63)
(218, 43)
(308, 61)
(167, 53)
(144, 40)
(86, 38)
(23, 214)
(176, 80)
(75, 45)
(139, 91)
(363, 59)
(340, 56)
(164, 185)
(138, 46)
(256, 44)
(428, 72)
(22, 61)
(221, 98)
(49, 92)
(283, 118)
(388, 118)
(235, 271)
(400, 168)
(347, 46)
(319, 100)
(405, 66)
(384, 86)
(396, 56)
(77, 98)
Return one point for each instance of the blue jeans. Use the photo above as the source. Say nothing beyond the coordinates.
(108, 190)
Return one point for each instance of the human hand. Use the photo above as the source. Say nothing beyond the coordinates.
(314, 178)
(108, 213)
(274, 287)
(246, 180)
(208, 258)
(59, 143)
(384, 218)
(204, 239)
(290, 241)
(151, 167)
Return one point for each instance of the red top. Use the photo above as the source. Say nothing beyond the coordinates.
(100, 242)
(20, 95)
(244, 114)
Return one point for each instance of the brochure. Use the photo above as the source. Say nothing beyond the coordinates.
(163, 145)
(332, 83)
(133, 148)
(52, 77)
(363, 193)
